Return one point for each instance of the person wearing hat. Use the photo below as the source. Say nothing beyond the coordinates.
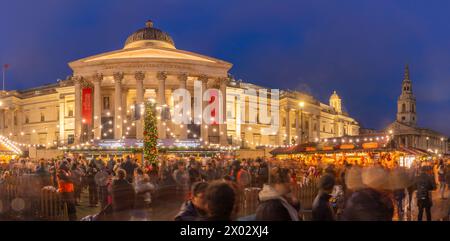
(66, 188)
(321, 208)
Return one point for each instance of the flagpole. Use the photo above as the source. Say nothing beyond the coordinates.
(3, 68)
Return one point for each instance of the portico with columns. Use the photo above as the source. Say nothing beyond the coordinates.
(149, 67)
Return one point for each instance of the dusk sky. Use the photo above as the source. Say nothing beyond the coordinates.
(358, 48)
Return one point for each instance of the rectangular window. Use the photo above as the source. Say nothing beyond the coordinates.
(106, 102)
(70, 112)
(27, 119)
(70, 139)
(42, 117)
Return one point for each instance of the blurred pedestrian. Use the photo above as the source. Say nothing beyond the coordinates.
(424, 184)
(66, 188)
(194, 208)
(321, 208)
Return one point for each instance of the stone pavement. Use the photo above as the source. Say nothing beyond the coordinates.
(439, 210)
(167, 204)
(164, 207)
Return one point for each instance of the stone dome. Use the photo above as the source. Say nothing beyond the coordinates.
(149, 37)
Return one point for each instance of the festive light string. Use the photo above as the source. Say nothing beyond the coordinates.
(8, 143)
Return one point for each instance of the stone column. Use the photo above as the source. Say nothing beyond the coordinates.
(204, 127)
(123, 111)
(62, 114)
(12, 126)
(77, 84)
(288, 126)
(223, 137)
(97, 106)
(139, 76)
(318, 126)
(162, 76)
(182, 79)
(118, 118)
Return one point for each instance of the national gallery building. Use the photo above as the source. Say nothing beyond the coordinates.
(103, 100)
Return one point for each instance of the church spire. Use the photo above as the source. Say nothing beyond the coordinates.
(406, 103)
(406, 72)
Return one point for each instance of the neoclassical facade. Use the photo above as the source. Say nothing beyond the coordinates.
(103, 100)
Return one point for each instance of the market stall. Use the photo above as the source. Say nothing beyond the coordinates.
(167, 149)
(8, 150)
(358, 150)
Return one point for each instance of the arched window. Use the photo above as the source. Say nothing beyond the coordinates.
(403, 107)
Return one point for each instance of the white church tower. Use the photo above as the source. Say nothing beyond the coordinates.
(406, 103)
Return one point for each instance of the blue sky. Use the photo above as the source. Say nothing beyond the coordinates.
(356, 47)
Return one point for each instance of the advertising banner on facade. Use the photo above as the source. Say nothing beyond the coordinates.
(86, 106)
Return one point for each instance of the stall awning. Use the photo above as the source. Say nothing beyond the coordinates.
(7, 147)
(414, 151)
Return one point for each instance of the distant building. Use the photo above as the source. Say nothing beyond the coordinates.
(405, 130)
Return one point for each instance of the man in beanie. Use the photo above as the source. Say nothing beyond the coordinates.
(321, 209)
(66, 188)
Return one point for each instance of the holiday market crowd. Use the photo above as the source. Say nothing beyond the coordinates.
(125, 188)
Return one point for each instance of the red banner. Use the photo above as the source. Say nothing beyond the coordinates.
(86, 106)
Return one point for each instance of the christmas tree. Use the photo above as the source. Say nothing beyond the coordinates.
(150, 133)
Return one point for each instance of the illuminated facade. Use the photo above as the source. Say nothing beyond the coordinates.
(103, 98)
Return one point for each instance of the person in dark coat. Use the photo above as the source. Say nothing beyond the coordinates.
(129, 167)
(368, 204)
(123, 196)
(91, 171)
(321, 209)
(424, 185)
(194, 208)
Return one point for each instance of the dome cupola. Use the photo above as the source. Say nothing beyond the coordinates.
(149, 37)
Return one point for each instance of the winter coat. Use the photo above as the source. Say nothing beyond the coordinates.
(269, 193)
(123, 195)
(424, 185)
(321, 209)
(188, 212)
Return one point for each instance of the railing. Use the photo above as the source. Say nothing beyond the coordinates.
(23, 197)
(51, 205)
(248, 201)
(305, 192)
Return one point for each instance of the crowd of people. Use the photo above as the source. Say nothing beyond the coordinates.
(124, 188)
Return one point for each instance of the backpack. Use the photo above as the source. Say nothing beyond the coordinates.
(422, 191)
